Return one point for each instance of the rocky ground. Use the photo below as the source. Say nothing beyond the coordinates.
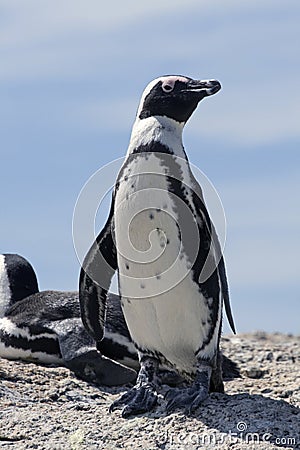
(49, 408)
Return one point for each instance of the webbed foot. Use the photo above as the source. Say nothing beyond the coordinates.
(138, 400)
(190, 398)
(143, 396)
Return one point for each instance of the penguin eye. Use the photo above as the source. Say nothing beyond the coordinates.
(167, 87)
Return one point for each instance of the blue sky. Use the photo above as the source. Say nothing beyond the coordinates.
(71, 75)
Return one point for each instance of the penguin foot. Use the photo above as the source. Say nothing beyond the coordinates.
(143, 396)
(189, 398)
(96, 368)
(138, 400)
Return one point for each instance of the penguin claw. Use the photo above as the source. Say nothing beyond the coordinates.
(121, 401)
(138, 400)
(188, 399)
(197, 402)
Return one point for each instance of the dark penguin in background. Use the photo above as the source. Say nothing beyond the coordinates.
(46, 327)
(160, 239)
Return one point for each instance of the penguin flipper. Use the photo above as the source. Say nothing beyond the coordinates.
(211, 239)
(225, 292)
(96, 273)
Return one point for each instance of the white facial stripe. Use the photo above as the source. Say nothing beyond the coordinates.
(169, 80)
(147, 90)
(5, 293)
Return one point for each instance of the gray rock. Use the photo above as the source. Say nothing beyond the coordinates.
(254, 372)
(48, 408)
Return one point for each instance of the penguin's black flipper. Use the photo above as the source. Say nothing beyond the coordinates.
(214, 254)
(97, 271)
(225, 292)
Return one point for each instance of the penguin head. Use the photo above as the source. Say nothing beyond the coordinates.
(17, 280)
(175, 97)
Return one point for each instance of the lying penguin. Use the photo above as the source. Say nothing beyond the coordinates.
(45, 327)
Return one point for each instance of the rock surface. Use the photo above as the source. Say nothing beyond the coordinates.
(49, 408)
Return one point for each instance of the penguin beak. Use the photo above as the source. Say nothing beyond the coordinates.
(203, 87)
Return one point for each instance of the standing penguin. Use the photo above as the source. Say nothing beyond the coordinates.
(160, 239)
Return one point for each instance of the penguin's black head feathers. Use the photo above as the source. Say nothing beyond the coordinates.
(21, 277)
(175, 97)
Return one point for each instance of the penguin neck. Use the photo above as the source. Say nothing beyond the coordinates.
(157, 129)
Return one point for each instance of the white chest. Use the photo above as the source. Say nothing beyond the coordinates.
(163, 307)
